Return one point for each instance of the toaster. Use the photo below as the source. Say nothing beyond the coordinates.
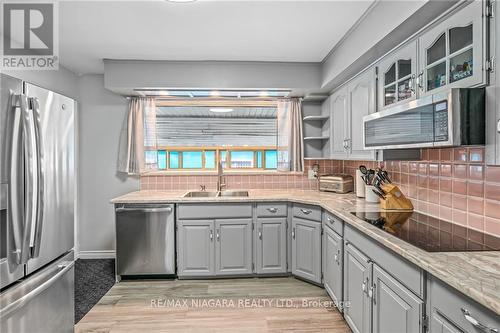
(338, 182)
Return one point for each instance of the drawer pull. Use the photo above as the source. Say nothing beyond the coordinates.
(272, 209)
(306, 211)
(330, 220)
(474, 322)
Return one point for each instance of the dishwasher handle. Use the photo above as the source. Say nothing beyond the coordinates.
(144, 210)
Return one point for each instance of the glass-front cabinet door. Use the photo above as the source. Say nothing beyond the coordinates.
(396, 76)
(452, 53)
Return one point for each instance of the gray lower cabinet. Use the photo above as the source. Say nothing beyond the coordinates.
(233, 250)
(306, 249)
(214, 247)
(271, 245)
(332, 264)
(357, 278)
(395, 308)
(450, 311)
(195, 248)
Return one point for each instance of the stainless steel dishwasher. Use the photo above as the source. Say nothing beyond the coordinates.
(145, 239)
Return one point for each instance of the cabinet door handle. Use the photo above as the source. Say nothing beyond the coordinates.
(211, 235)
(371, 293)
(293, 233)
(306, 211)
(474, 322)
(217, 235)
(260, 234)
(498, 126)
(419, 79)
(337, 257)
(363, 286)
(272, 209)
(329, 219)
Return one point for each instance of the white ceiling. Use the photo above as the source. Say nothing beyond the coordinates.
(295, 31)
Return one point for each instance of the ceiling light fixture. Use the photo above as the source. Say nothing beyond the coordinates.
(221, 110)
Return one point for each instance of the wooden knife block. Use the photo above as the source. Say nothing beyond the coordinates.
(395, 199)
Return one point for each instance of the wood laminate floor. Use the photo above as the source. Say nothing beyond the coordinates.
(229, 305)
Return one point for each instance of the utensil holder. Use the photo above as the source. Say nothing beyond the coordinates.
(395, 199)
(360, 185)
(370, 196)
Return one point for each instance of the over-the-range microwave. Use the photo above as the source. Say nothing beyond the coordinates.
(452, 118)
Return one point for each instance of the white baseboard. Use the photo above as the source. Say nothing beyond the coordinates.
(109, 254)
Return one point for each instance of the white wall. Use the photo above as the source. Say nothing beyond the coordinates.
(100, 120)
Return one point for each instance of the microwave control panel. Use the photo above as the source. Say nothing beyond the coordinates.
(441, 121)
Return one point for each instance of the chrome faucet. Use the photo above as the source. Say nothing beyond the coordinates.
(220, 178)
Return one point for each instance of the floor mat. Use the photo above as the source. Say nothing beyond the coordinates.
(93, 279)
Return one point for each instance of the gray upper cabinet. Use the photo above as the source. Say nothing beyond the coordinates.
(332, 264)
(339, 113)
(349, 105)
(395, 308)
(493, 95)
(306, 249)
(233, 250)
(452, 53)
(362, 103)
(271, 245)
(397, 74)
(195, 248)
(357, 279)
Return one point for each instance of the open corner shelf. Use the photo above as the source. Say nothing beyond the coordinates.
(308, 138)
(315, 118)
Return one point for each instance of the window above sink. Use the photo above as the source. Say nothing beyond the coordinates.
(242, 137)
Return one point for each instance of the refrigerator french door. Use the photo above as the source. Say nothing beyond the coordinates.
(37, 145)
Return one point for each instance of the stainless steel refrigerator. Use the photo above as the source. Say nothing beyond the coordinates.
(37, 193)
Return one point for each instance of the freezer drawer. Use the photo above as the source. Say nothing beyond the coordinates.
(44, 302)
(145, 240)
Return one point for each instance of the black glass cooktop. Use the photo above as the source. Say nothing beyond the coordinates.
(429, 233)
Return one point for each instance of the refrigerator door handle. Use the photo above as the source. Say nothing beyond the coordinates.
(16, 188)
(61, 269)
(36, 230)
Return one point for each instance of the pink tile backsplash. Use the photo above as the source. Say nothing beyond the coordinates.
(279, 181)
(452, 184)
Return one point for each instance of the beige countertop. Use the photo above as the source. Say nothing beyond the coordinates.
(476, 274)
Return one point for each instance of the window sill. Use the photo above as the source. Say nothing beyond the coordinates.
(214, 173)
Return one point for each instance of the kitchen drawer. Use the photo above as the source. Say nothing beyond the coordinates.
(307, 212)
(446, 302)
(333, 222)
(272, 210)
(214, 211)
(401, 269)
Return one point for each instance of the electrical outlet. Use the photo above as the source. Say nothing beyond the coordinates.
(311, 174)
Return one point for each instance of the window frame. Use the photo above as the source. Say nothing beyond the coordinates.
(218, 151)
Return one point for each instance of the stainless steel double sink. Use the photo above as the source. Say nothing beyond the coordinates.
(215, 194)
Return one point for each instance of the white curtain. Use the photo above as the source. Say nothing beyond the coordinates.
(137, 151)
(290, 141)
